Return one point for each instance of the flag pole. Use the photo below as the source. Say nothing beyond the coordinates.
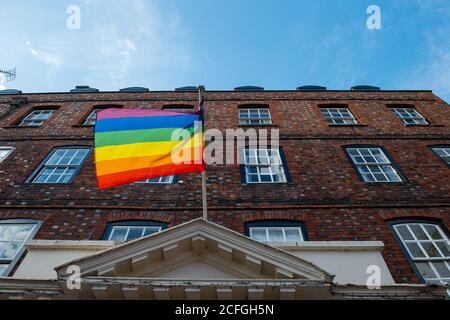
(201, 96)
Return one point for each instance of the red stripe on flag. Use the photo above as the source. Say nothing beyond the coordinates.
(116, 179)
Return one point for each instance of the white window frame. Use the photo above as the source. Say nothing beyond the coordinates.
(161, 180)
(438, 151)
(271, 165)
(430, 261)
(414, 116)
(20, 250)
(246, 118)
(328, 112)
(283, 229)
(8, 150)
(31, 121)
(66, 167)
(381, 166)
(129, 228)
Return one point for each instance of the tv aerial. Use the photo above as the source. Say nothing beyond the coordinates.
(8, 75)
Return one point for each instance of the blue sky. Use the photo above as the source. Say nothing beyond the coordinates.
(163, 44)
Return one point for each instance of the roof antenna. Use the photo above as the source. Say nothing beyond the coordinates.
(9, 75)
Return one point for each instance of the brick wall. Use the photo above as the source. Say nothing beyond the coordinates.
(326, 193)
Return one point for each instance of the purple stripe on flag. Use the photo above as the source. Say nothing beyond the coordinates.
(135, 113)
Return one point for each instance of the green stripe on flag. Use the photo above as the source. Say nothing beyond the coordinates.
(114, 138)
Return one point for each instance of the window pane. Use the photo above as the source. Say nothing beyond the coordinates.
(151, 230)
(118, 234)
(8, 249)
(433, 231)
(7, 232)
(252, 178)
(418, 232)
(3, 268)
(251, 170)
(442, 269)
(279, 178)
(4, 152)
(404, 233)
(415, 250)
(275, 235)
(259, 234)
(426, 270)
(135, 233)
(264, 170)
(56, 157)
(431, 249)
(444, 247)
(293, 234)
(23, 232)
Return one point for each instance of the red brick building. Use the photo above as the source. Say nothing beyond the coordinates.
(358, 165)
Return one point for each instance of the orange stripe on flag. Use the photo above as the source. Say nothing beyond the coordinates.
(116, 179)
(135, 163)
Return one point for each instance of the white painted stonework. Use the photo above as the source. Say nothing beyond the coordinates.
(348, 261)
(202, 260)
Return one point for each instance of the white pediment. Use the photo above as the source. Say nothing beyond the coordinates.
(197, 250)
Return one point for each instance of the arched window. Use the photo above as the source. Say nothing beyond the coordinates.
(131, 230)
(276, 231)
(427, 246)
(13, 235)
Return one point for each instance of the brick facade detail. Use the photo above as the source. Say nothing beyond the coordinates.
(325, 193)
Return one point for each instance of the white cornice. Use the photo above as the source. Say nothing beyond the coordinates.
(148, 288)
(175, 239)
(70, 245)
(332, 246)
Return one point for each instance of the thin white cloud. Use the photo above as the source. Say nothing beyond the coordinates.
(119, 41)
(46, 56)
(143, 38)
(116, 51)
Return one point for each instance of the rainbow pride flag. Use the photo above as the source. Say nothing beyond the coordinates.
(135, 144)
